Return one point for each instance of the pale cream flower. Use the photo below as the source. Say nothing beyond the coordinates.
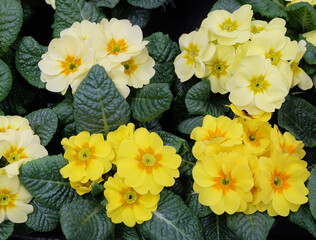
(311, 2)
(14, 122)
(311, 36)
(51, 2)
(259, 26)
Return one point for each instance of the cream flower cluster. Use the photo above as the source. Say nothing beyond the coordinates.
(144, 167)
(311, 37)
(251, 60)
(116, 45)
(245, 165)
(311, 2)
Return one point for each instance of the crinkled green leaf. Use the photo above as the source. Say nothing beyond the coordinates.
(192, 200)
(98, 105)
(164, 73)
(28, 54)
(42, 179)
(11, 19)
(9, 59)
(304, 219)
(64, 112)
(151, 101)
(172, 220)
(187, 164)
(107, 3)
(187, 125)
(299, 118)
(44, 123)
(228, 5)
(250, 227)
(310, 54)
(174, 141)
(70, 11)
(84, 219)
(69, 130)
(309, 69)
(6, 229)
(267, 8)
(152, 125)
(122, 232)
(43, 218)
(97, 189)
(5, 80)
(201, 101)
(302, 16)
(146, 4)
(312, 192)
(314, 81)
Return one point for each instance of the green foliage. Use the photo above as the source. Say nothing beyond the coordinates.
(6, 229)
(146, 4)
(304, 219)
(187, 125)
(302, 16)
(84, 219)
(310, 54)
(107, 3)
(123, 232)
(172, 140)
(299, 118)
(312, 192)
(228, 5)
(267, 8)
(192, 200)
(5, 80)
(64, 111)
(98, 105)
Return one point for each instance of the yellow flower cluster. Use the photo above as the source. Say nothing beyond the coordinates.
(116, 45)
(251, 60)
(144, 167)
(245, 165)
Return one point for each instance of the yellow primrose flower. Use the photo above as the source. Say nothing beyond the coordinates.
(14, 200)
(195, 50)
(282, 182)
(116, 137)
(311, 36)
(261, 117)
(135, 72)
(14, 122)
(88, 156)
(146, 164)
(241, 53)
(67, 62)
(311, 2)
(229, 28)
(286, 143)
(126, 205)
(219, 68)
(82, 188)
(223, 182)
(257, 86)
(17, 148)
(51, 2)
(277, 24)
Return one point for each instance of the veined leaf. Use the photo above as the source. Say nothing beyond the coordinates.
(228, 5)
(312, 192)
(5, 80)
(267, 8)
(187, 125)
(304, 219)
(6, 229)
(146, 4)
(302, 16)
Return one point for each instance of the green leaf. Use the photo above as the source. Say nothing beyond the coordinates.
(42, 219)
(187, 125)
(228, 5)
(304, 219)
(215, 228)
(69, 130)
(174, 141)
(11, 19)
(192, 200)
(5, 80)
(267, 8)
(44, 123)
(310, 156)
(42, 179)
(70, 11)
(6, 229)
(123, 232)
(97, 96)
(201, 101)
(151, 101)
(96, 189)
(85, 219)
(312, 192)
(164, 73)
(107, 3)
(146, 4)
(254, 226)
(28, 54)
(152, 125)
(64, 112)
(172, 220)
(187, 164)
(302, 16)
(310, 54)
(299, 118)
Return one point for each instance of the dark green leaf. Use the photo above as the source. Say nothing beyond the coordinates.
(28, 54)
(69, 130)
(151, 101)
(146, 4)
(172, 220)
(123, 232)
(312, 192)
(299, 118)
(5, 80)
(187, 125)
(64, 112)
(6, 229)
(96, 189)
(164, 73)
(304, 219)
(310, 54)
(267, 8)
(250, 227)
(152, 125)
(302, 16)
(192, 200)
(98, 105)
(187, 164)
(11, 19)
(228, 5)
(310, 156)
(84, 220)
(172, 140)
(42, 219)
(107, 3)
(44, 123)
(43, 181)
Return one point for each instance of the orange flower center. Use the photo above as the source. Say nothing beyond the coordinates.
(279, 182)
(224, 182)
(254, 138)
(129, 67)
(217, 133)
(192, 53)
(14, 154)
(6, 199)
(228, 25)
(115, 47)
(288, 148)
(148, 160)
(258, 84)
(70, 65)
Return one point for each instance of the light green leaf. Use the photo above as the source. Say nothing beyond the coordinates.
(107, 3)
(42, 179)
(174, 141)
(28, 54)
(42, 219)
(228, 5)
(151, 101)
(6, 229)
(5, 80)
(255, 226)
(44, 123)
(97, 96)
(192, 200)
(187, 125)
(312, 192)
(11, 19)
(84, 219)
(146, 4)
(172, 220)
(267, 8)
(304, 219)
(299, 118)
(302, 16)
(70, 11)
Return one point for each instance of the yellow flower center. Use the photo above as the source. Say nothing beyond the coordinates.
(116, 47)
(228, 25)
(258, 84)
(84, 154)
(70, 65)
(149, 159)
(252, 138)
(192, 53)
(288, 148)
(14, 154)
(129, 67)
(224, 182)
(255, 29)
(275, 57)
(218, 68)
(130, 197)
(279, 181)
(6, 199)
